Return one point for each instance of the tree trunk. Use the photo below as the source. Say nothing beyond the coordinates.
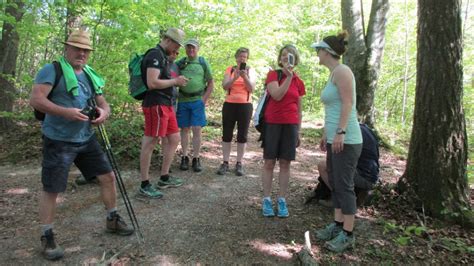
(437, 160)
(8, 55)
(365, 52)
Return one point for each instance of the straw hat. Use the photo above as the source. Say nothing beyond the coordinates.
(176, 35)
(80, 39)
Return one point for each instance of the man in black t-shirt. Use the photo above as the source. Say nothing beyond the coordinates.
(160, 118)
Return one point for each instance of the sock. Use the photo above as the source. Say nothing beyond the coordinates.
(348, 233)
(339, 223)
(145, 183)
(165, 177)
(46, 227)
(111, 213)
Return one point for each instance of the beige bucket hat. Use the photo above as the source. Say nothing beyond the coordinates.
(80, 39)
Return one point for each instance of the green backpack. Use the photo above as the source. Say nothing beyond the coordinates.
(136, 87)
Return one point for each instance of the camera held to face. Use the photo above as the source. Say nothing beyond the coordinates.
(90, 111)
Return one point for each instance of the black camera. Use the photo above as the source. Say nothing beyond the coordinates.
(90, 112)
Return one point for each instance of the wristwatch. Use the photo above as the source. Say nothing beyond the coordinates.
(340, 131)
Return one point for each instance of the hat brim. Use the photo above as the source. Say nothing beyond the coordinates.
(192, 44)
(323, 45)
(79, 45)
(174, 40)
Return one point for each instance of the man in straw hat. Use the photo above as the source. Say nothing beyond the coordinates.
(160, 118)
(68, 136)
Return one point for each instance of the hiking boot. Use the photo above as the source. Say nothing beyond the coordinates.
(184, 163)
(223, 169)
(117, 225)
(329, 232)
(282, 209)
(150, 192)
(239, 169)
(197, 165)
(171, 182)
(341, 242)
(51, 251)
(267, 208)
(81, 180)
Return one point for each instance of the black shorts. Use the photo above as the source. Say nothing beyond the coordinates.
(233, 113)
(280, 141)
(59, 155)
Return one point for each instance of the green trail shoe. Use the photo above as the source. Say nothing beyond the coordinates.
(171, 182)
(150, 192)
(341, 242)
(329, 232)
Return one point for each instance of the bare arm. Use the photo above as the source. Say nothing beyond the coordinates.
(229, 80)
(343, 82)
(154, 83)
(39, 100)
(276, 91)
(209, 89)
(249, 79)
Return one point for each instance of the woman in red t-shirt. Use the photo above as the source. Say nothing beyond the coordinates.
(282, 125)
(239, 83)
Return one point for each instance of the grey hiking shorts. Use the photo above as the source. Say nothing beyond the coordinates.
(341, 169)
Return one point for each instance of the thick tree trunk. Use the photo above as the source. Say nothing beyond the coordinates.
(8, 55)
(437, 159)
(365, 52)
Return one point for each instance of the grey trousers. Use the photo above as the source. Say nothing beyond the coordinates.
(341, 169)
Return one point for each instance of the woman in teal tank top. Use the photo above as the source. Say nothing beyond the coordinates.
(342, 141)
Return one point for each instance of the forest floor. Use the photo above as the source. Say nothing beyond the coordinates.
(216, 219)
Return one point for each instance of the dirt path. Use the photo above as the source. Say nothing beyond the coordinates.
(210, 220)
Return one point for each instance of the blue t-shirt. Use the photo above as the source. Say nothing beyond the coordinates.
(58, 127)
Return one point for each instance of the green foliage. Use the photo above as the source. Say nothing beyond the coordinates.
(456, 245)
(404, 234)
(121, 28)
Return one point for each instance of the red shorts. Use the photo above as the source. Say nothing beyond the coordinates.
(160, 121)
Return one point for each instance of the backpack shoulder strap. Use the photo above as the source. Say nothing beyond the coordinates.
(232, 70)
(203, 63)
(180, 63)
(59, 73)
(280, 74)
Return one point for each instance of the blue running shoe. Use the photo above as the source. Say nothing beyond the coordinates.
(282, 209)
(267, 208)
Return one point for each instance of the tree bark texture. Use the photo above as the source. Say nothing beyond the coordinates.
(437, 159)
(8, 55)
(365, 51)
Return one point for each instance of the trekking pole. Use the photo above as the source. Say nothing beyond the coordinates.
(118, 178)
